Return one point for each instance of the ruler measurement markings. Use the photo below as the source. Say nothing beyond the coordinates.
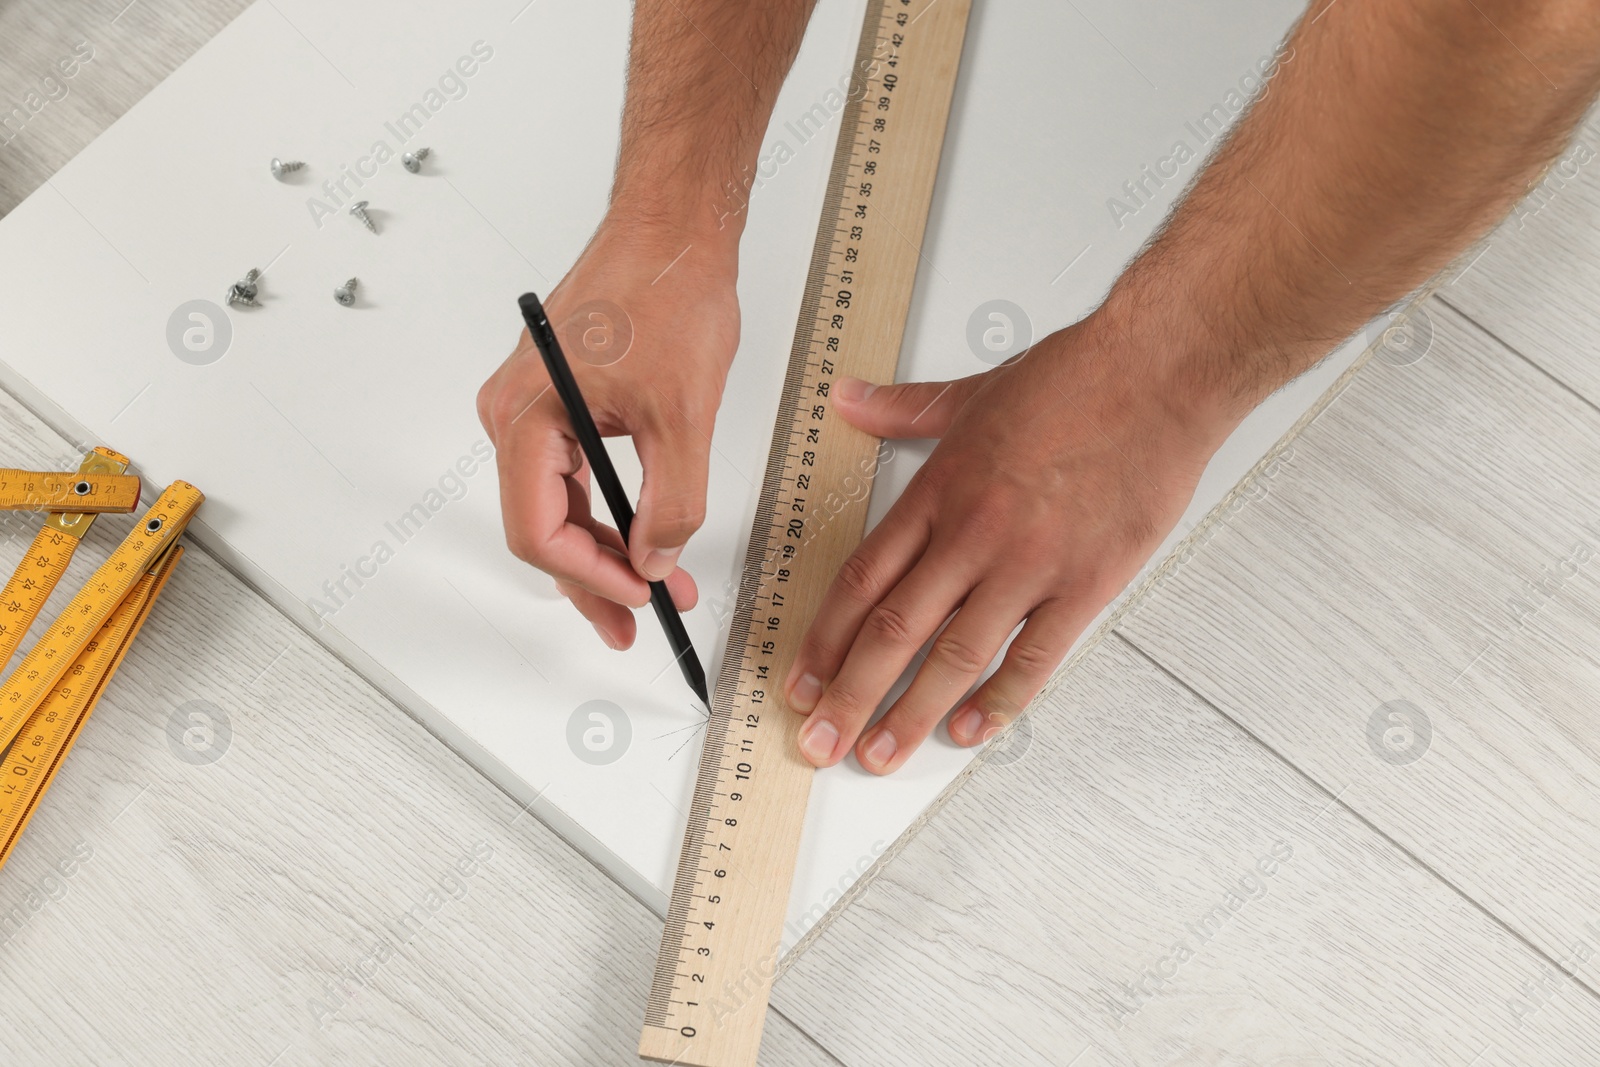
(55, 725)
(48, 557)
(47, 699)
(88, 611)
(89, 491)
(804, 437)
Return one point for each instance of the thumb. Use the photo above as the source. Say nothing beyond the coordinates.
(672, 502)
(913, 409)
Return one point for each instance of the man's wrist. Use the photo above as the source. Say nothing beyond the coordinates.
(634, 249)
(1192, 377)
(679, 204)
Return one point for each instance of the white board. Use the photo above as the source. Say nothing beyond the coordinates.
(319, 427)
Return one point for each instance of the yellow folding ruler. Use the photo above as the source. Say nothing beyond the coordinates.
(48, 697)
(105, 488)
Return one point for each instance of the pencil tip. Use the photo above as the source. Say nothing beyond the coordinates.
(695, 675)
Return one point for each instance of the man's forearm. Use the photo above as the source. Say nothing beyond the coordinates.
(1395, 136)
(703, 76)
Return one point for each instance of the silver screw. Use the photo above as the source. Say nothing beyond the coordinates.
(282, 168)
(244, 290)
(412, 161)
(346, 293)
(359, 210)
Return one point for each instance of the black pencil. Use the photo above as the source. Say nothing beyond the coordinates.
(605, 476)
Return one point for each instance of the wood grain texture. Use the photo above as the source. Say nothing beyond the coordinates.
(1534, 283)
(333, 886)
(1014, 927)
(116, 52)
(1436, 540)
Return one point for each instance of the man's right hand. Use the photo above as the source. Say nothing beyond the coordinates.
(649, 320)
(656, 284)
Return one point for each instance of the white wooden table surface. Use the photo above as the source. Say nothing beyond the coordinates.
(1212, 844)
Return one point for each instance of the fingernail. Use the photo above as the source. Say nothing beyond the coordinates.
(611, 642)
(660, 563)
(966, 724)
(854, 390)
(817, 741)
(880, 750)
(805, 694)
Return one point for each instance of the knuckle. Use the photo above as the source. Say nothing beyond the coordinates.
(889, 625)
(1033, 660)
(678, 515)
(521, 547)
(531, 552)
(504, 409)
(859, 578)
(959, 655)
(847, 702)
(908, 403)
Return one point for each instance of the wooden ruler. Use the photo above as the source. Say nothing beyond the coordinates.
(720, 947)
(84, 492)
(46, 699)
